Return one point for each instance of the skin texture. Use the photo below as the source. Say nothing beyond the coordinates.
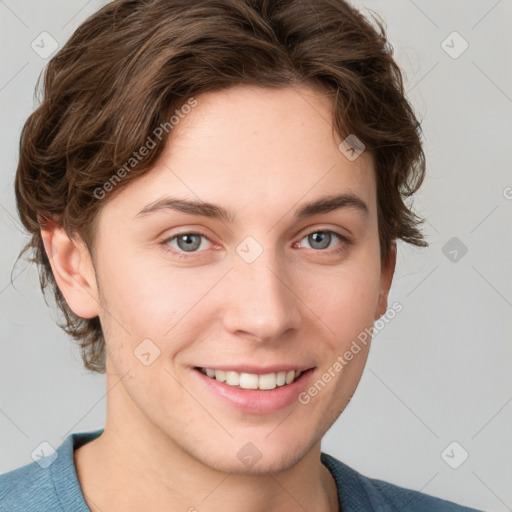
(169, 442)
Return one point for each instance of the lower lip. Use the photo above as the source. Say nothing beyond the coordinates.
(256, 401)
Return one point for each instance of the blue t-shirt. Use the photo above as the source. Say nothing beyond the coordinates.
(51, 484)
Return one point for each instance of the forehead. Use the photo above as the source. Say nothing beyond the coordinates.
(253, 148)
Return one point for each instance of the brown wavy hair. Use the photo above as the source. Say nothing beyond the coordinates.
(133, 63)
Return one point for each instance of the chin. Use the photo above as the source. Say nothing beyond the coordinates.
(255, 459)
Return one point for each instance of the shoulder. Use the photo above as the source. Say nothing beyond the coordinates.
(355, 489)
(50, 483)
(401, 498)
(28, 488)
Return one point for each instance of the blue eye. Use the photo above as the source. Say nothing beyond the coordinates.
(185, 244)
(323, 239)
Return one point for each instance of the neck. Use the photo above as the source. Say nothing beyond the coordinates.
(134, 465)
(119, 473)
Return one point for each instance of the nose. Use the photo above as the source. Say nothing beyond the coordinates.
(260, 303)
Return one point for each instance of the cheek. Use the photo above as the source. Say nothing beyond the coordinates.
(347, 300)
(152, 299)
(161, 301)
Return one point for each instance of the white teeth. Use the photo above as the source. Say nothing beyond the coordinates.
(248, 381)
(268, 381)
(251, 380)
(233, 378)
(220, 375)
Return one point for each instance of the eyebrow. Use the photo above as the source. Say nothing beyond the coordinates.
(322, 205)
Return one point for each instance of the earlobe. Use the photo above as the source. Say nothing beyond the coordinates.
(73, 271)
(387, 273)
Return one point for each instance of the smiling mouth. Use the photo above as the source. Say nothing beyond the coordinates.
(242, 380)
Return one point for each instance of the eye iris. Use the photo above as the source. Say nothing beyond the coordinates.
(320, 236)
(189, 243)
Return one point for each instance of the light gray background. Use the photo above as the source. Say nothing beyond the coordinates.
(439, 372)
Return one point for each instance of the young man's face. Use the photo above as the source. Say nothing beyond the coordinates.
(253, 294)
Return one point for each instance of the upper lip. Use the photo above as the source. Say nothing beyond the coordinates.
(258, 370)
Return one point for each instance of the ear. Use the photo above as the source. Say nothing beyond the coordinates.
(386, 279)
(73, 270)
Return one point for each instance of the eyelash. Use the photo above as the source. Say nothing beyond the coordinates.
(345, 242)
